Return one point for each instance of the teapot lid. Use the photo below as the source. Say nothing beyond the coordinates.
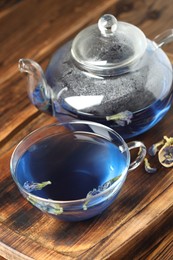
(108, 48)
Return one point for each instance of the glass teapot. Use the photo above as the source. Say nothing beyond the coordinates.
(110, 73)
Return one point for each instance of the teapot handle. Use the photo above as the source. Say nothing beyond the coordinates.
(164, 38)
(140, 156)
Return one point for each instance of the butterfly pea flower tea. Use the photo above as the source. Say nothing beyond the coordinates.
(74, 170)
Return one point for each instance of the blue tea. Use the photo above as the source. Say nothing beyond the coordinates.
(138, 123)
(73, 164)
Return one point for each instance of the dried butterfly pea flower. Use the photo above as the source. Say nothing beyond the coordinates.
(101, 188)
(148, 167)
(165, 154)
(168, 161)
(121, 118)
(45, 206)
(31, 186)
(155, 147)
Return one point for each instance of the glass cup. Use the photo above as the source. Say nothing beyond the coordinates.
(75, 170)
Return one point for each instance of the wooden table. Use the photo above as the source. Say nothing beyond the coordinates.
(139, 224)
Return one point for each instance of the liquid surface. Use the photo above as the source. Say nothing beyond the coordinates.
(74, 163)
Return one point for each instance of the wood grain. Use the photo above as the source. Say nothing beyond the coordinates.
(138, 225)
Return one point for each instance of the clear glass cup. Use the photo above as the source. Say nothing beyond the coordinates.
(82, 151)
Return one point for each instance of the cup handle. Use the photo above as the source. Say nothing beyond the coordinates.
(164, 38)
(140, 156)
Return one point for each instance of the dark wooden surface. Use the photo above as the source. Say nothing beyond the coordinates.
(139, 224)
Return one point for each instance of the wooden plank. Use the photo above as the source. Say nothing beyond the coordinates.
(119, 244)
(36, 35)
(15, 123)
(143, 203)
(16, 108)
(143, 210)
(164, 249)
(7, 7)
(23, 127)
(29, 246)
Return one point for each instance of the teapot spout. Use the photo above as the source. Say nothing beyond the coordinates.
(39, 91)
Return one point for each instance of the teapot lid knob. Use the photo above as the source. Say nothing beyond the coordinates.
(107, 24)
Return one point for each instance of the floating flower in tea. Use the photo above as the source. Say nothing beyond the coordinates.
(49, 207)
(121, 118)
(101, 188)
(31, 186)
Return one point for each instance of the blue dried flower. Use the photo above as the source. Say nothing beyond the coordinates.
(49, 207)
(31, 186)
(155, 148)
(168, 150)
(93, 193)
(101, 188)
(148, 168)
(166, 153)
(167, 161)
(121, 118)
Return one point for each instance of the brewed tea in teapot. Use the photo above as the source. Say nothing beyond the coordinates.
(109, 73)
